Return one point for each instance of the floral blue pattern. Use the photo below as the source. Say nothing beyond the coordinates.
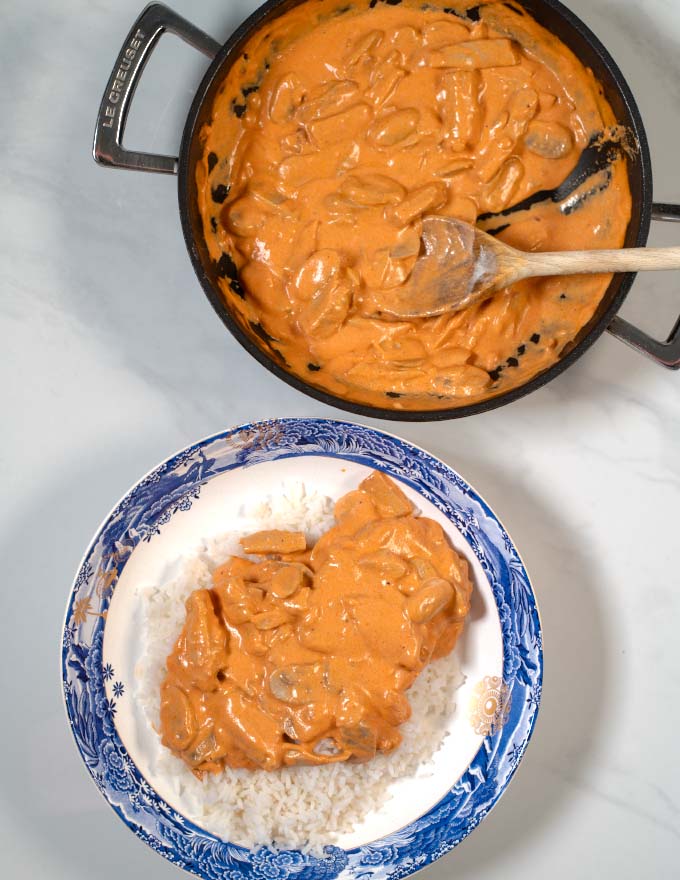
(171, 489)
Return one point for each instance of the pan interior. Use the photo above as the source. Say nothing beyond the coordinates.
(553, 16)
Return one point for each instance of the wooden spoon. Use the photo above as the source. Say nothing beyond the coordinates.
(461, 265)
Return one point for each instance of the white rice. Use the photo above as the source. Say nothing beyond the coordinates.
(298, 807)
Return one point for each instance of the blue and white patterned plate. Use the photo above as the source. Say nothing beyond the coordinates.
(195, 494)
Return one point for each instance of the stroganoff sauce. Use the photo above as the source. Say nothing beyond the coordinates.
(305, 656)
(338, 130)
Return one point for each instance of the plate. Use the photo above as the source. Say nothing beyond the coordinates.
(198, 494)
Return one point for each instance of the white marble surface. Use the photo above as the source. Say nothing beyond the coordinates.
(112, 359)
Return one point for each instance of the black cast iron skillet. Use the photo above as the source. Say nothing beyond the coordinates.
(108, 150)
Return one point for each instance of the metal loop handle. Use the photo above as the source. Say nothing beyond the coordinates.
(665, 353)
(154, 20)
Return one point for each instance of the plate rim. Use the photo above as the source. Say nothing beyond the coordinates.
(298, 868)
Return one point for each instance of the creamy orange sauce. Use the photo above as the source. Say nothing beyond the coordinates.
(304, 657)
(338, 131)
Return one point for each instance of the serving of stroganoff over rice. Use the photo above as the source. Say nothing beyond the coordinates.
(296, 807)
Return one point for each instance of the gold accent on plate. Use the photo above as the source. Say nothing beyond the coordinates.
(261, 436)
(489, 705)
(82, 609)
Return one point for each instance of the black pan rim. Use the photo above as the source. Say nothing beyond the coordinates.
(215, 297)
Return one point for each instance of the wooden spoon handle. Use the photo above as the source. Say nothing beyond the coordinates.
(584, 262)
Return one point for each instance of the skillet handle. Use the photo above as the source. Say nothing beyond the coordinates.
(152, 23)
(665, 353)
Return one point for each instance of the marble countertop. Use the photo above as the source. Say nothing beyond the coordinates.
(113, 359)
